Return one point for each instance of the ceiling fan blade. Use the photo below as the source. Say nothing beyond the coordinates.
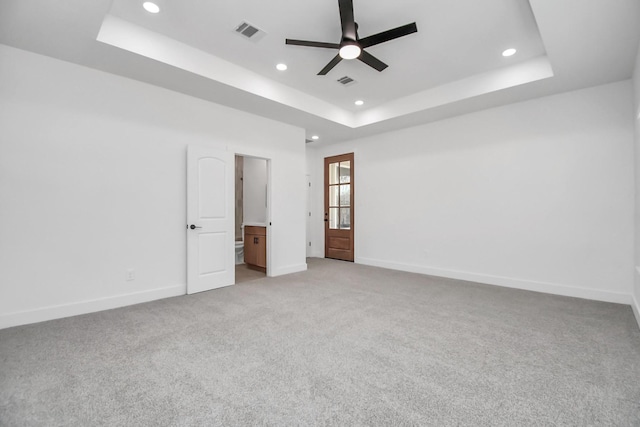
(347, 20)
(385, 36)
(372, 61)
(312, 44)
(330, 65)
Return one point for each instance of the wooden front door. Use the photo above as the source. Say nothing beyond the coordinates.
(338, 207)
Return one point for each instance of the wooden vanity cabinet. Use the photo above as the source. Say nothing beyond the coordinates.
(255, 247)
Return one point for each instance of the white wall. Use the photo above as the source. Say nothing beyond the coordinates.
(92, 182)
(254, 191)
(636, 85)
(535, 195)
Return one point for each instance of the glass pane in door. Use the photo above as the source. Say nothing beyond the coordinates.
(345, 195)
(334, 173)
(345, 172)
(345, 218)
(333, 218)
(333, 196)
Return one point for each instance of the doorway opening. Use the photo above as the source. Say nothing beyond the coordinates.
(251, 217)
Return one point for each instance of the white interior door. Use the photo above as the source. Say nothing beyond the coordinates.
(309, 210)
(210, 219)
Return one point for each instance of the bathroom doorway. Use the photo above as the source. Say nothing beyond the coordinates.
(251, 217)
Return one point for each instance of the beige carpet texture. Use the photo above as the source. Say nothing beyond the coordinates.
(340, 344)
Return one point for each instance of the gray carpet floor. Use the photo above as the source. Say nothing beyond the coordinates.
(340, 344)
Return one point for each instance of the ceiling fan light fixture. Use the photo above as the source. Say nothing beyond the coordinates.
(151, 7)
(350, 50)
(351, 46)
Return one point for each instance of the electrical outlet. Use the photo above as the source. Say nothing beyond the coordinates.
(131, 275)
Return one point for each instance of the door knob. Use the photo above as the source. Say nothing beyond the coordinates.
(193, 227)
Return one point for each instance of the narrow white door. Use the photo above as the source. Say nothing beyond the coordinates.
(210, 219)
(309, 209)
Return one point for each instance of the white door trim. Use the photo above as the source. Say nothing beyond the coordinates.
(270, 252)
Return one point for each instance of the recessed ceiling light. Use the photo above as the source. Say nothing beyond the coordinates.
(150, 7)
(314, 137)
(281, 67)
(359, 102)
(509, 52)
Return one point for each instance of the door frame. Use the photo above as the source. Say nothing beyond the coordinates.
(309, 218)
(268, 207)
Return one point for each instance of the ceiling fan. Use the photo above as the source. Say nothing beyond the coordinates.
(352, 46)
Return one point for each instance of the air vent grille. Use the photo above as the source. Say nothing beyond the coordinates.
(249, 31)
(346, 81)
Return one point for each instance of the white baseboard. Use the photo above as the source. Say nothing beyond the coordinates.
(635, 303)
(508, 282)
(90, 306)
(636, 309)
(288, 270)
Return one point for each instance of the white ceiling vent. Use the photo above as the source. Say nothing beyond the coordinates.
(249, 31)
(346, 81)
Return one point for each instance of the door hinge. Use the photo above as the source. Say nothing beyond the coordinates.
(309, 213)
(309, 184)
